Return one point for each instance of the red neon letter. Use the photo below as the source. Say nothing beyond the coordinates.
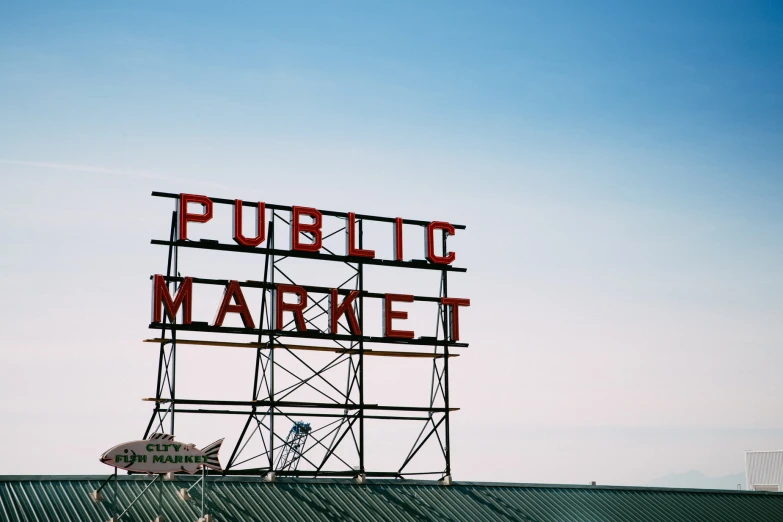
(389, 314)
(161, 296)
(398, 239)
(335, 311)
(185, 216)
(234, 291)
(448, 257)
(297, 308)
(350, 239)
(260, 225)
(313, 228)
(454, 303)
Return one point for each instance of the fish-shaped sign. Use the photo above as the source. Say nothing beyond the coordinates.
(160, 453)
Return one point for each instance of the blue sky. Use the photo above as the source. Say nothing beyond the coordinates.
(618, 165)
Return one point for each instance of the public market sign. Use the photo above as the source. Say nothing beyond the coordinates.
(306, 241)
(160, 453)
(333, 316)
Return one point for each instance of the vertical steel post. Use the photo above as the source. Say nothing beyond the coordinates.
(260, 370)
(203, 489)
(163, 374)
(272, 340)
(361, 352)
(264, 304)
(446, 336)
(114, 497)
(173, 348)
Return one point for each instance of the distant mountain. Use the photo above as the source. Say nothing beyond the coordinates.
(697, 480)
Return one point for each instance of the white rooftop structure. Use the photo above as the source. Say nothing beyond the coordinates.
(764, 470)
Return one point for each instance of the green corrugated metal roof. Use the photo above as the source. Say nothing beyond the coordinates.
(67, 498)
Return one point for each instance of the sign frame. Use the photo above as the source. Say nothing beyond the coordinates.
(267, 403)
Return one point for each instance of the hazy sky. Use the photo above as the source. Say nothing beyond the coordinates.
(619, 166)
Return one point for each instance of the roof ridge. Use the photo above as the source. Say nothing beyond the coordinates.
(383, 482)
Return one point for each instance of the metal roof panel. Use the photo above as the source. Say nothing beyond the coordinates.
(246, 499)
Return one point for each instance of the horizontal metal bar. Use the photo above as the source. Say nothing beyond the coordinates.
(297, 414)
(306, 473)
(295, 404)
(272, 206)
(216, 245)
(206, 402)
(215, 412)
(350, 351)
(309, 288)
(307, 334)
(313, 473)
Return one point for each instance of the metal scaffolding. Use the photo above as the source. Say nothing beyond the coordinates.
(340, 414)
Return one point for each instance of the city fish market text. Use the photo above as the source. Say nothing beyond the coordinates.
(160, 453)
(234, 300)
